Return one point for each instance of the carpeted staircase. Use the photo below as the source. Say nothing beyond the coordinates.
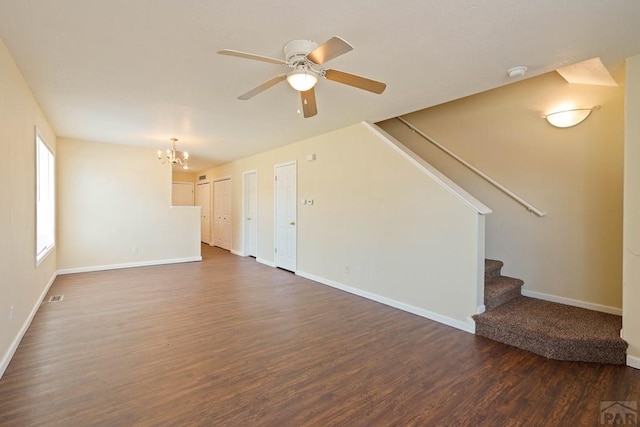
(549, 329)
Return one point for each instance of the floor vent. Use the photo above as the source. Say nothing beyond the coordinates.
(56, 298)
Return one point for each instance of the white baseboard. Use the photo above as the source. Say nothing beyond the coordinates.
(265, 262)
(128, 265)
(468, 326)
(481, 309)
(573, 302)
(233, 251)
(633, 362)
(6, 359)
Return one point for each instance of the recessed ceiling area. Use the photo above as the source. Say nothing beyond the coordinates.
(589, 72)
(142, 72)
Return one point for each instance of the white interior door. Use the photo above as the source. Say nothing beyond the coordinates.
(222, 214)
(203, 199)
(182, 194)
(286, 236)
(251, 213)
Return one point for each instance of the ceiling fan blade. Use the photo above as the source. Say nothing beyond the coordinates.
(328, 50)
(309, 108)
(355, 81)
(251, 56)
(264, 86)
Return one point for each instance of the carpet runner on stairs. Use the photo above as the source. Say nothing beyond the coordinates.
(553, 330)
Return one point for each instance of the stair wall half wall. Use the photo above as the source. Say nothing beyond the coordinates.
(574, 175)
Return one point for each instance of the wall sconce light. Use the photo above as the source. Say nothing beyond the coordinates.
(570, 117)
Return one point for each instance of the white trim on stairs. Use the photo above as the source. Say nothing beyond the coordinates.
(128, 265)
(429, 170)
(6, 359)
(633, 361)
(468, 326)
(573, 302)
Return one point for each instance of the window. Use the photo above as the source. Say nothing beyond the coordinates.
(45, 200)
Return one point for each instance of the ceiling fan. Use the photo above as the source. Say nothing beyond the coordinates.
(305, 58)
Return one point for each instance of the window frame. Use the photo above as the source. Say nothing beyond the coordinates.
(41, 255)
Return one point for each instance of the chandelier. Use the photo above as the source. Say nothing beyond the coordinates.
(172, 156)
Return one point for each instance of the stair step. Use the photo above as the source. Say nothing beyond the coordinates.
(555, 331)
(492, 268)
(501, 289)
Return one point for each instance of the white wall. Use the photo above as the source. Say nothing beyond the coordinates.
(114, 198)
(415, 243)
(574, 175)
(631, 273)
(21, 283)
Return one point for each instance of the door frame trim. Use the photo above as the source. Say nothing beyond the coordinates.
(195, 196)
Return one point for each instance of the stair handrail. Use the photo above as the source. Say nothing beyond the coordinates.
(520, 200)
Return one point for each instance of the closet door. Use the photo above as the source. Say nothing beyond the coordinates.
(222, 224)
(182, 194)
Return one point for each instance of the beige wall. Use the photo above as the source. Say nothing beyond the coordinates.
(631, 273)
(21, 282)
(574, 175)
(414, 242)
(114, 198)
(184, 176)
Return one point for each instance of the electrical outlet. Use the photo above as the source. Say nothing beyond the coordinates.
(346, 269)
(11, 311)
(134, 249)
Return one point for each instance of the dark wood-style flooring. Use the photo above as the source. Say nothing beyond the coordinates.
(230, 342)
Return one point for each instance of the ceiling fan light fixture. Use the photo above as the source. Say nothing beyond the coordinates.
(302, 79)
(305, 59)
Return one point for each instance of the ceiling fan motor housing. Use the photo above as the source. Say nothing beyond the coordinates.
(296, 50)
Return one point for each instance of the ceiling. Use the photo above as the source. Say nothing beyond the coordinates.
(139, 72)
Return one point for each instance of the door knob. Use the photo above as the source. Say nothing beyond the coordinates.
(249, 219)
(292, 223)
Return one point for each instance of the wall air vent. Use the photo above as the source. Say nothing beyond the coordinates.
(201, 177)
